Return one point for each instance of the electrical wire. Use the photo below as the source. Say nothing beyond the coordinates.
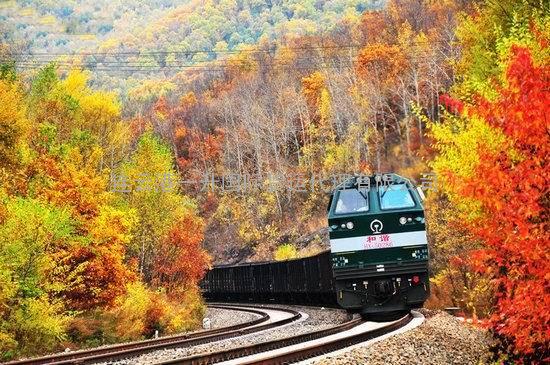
(121, 63)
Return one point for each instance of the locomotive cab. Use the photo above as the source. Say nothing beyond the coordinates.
(379, 249)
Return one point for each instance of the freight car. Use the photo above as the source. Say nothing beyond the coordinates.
(301, 281)
(378, 262)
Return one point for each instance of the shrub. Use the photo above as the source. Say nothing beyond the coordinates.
(38, 326)
(286, 252)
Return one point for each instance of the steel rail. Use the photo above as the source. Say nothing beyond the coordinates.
(132, 349)
(293, 356)
(331, 346)
(237, 352)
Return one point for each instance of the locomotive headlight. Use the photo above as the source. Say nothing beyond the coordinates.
(343, 225)
(402, 220)
(349, 225)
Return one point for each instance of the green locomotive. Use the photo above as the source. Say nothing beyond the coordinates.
(379, 249)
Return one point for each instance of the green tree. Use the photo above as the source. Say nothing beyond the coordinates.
(153, 186)
(31, 319)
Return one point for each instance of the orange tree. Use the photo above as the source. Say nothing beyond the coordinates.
(493, 149)
(509, 188)
(512, 185)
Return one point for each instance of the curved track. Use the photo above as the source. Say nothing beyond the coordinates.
(132, 349)
(301, 347)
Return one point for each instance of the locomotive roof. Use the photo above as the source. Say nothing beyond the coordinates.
(370, 191)
(374, 178)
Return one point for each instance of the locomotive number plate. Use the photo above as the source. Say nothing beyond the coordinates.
(378, 241)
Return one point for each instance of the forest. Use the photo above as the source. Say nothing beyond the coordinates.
(128, 43)
(181, 134)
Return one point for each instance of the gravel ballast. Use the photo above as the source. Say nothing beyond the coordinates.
(442, 339)
(317, 319)
(225, 318)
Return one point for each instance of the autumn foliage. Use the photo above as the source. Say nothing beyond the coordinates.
(456, 87)
(512, 186)
(181, 260)
(381, 61)
(75, 260)
(490, 218)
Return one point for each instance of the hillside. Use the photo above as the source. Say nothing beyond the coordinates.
(126, 41)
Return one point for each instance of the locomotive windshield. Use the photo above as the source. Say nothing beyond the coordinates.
(351, 201)
(395, 196)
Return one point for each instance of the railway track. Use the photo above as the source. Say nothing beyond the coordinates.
(133, 349)
(296, 348)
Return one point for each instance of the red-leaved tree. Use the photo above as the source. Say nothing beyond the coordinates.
(180, 260)
(512, 186)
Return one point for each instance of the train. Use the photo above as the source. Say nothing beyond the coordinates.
(306, 280)
(377, 263)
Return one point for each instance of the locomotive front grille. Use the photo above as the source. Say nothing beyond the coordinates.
(390, 269)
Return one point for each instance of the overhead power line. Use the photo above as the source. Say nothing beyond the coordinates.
(188, 52)
(127, 62)
(206, 51)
